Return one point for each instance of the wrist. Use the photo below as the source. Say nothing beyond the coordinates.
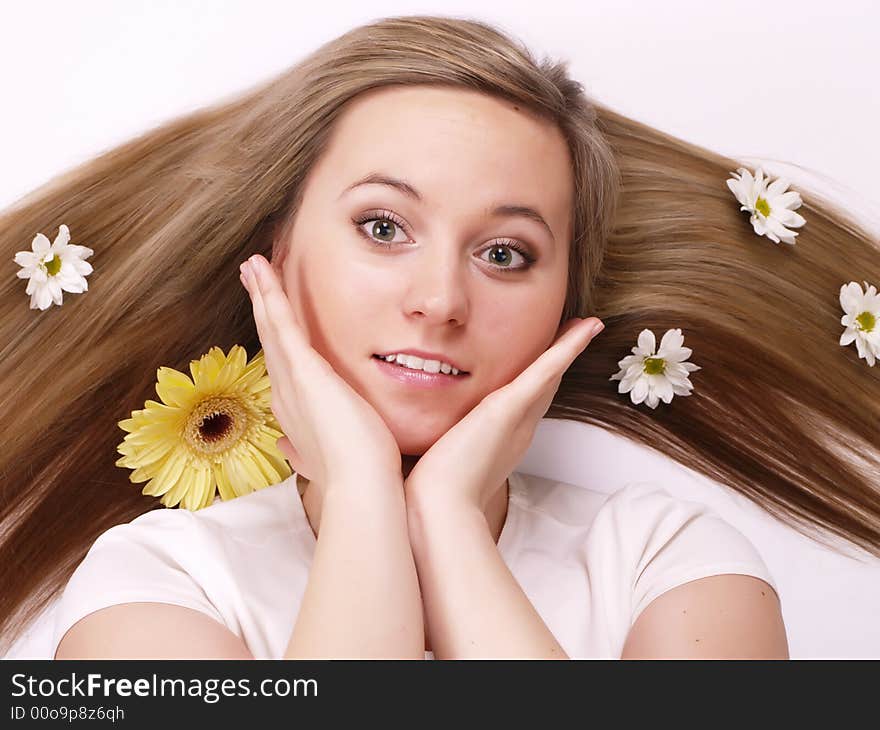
(365, 490)
(441, 515)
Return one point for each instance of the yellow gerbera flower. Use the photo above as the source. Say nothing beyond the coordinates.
(216, 431)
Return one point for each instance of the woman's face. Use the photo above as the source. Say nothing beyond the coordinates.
(424, 270)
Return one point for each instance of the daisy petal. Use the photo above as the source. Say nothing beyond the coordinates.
(776, 188)
(41, 245)
(640, 391)
(789, 218)
(647, 342)
(672, 340)
(790, 200)
(62, 238)
(851, 297)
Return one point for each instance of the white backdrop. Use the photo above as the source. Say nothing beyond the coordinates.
(784, 83)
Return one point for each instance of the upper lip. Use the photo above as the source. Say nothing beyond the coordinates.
(425, 355)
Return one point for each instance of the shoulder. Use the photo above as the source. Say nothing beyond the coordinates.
(639, 512)
(249, 517)
(700, 587)
(180, 531)
(669, 541)
(640, 540)
(174, 556)
(570, 504)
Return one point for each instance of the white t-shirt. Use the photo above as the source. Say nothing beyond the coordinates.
(589, 562)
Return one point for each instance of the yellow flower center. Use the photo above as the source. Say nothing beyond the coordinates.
(654, 365)
(867, 321)
(53, 265)
(762, 206)
(215, 425)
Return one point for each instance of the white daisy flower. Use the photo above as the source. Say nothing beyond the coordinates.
(653, 377)
(861, 319)
(772, 209)
(51, 268)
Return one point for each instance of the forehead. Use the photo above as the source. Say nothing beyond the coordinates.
(456, 146)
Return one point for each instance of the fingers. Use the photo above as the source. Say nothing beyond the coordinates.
(286, 447)
(284, 342)
(272, 304)
(272, 355)
(573, 336)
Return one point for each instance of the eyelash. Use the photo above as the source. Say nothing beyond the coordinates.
(377, 215)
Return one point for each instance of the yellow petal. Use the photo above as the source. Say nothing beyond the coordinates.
(233, 368)
(142, 474)
(173, 496)
(172, 470)
(148, 434)
(238, 476)
(223, 484)
(209, 369)
(154, 451)
(173, 378)
(267, 469)
(255, 474)
(194, 497)
(195, 367)
(175, 388)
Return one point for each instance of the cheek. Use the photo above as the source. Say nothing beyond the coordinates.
(521, 330)
(326, 296)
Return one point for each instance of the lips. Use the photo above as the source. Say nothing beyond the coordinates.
(426, 355)
(381, 358)
(417, 379)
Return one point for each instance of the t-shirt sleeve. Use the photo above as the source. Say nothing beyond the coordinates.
(142, 560)
(674, 541)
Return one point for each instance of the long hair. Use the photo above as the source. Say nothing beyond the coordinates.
(780, 412)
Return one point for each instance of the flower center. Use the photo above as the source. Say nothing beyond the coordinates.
(53, 265)
(867, 321)
(763, 207)
(214, 425)
(654, 365)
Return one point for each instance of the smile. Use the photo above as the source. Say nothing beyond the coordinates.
(417, 378)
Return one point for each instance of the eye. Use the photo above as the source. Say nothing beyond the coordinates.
(498, 248)
(384, 225)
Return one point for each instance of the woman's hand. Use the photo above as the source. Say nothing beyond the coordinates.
(332, 434)
(468, 463)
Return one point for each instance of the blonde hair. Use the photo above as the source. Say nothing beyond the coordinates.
(780, 412)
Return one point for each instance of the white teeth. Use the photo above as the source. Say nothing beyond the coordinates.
(417, 363)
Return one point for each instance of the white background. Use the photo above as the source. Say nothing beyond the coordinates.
(790, 82)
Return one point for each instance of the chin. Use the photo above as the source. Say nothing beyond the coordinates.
(416, 440)
(414, 447)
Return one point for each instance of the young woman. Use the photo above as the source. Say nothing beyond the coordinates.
(421, 193)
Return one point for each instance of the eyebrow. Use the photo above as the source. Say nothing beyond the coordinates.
(508, 209)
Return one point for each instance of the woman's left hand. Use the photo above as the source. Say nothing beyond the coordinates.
(468, 463)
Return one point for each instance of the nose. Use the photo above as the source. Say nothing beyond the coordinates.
(438, 290)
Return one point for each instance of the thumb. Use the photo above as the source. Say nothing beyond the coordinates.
(290, 453)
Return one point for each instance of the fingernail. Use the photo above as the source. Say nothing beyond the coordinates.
(597, 328)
